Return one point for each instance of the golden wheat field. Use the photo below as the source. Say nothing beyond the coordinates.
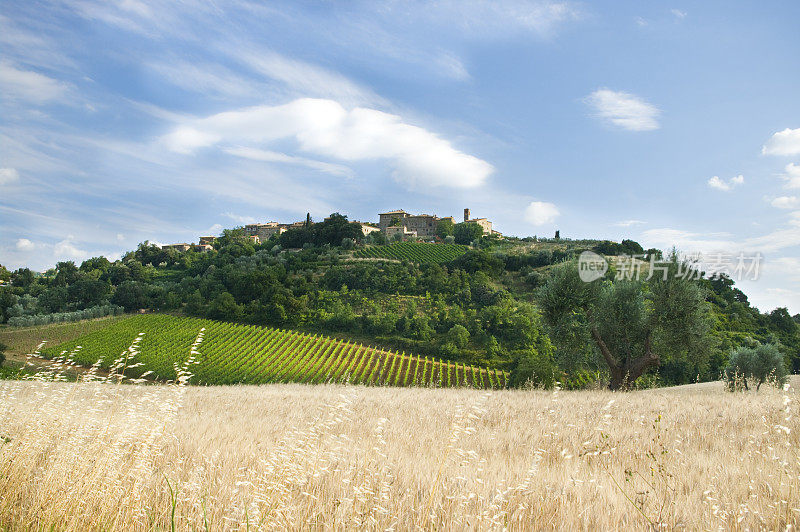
(96, 455)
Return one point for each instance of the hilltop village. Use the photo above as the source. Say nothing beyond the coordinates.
(396, 226)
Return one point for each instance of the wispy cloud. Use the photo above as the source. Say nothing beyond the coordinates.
(720, 184)
(624, 110)
(677, 13)
(29, 85)
(629, 223)
(8, 175)
(277, 157)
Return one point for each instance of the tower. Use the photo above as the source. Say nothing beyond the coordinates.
(466, 215)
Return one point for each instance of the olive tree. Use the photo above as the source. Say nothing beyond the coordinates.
(760, 364)
(633, 325)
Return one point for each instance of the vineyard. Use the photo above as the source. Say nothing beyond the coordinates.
(226, 353)
(413, 251)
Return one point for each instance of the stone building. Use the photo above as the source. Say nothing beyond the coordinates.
(207, 240)
(183, 246)
(485, 224)
(265, 231)
(367, 228)
(424, 225)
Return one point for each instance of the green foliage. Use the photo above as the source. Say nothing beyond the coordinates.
(458, 335)
(626, 247)
(332, 231)
(467, 232)
(634, 326)
(444, 228)
(231, 354)
(3, 348)
(760, 364)
(413, 251)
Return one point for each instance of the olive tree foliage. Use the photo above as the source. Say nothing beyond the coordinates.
(760, 364)
(632, 325)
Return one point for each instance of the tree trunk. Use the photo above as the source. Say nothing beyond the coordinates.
(624, 375)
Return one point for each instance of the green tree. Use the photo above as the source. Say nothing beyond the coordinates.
(458, 335)
(444, 228)
(759, 364)
(633, 326)
(466, 232)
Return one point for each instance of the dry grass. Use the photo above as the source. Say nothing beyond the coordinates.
(96, 455)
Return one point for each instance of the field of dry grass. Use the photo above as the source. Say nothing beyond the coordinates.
(78, 456)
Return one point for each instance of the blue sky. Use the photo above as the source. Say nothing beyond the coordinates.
(672, 123)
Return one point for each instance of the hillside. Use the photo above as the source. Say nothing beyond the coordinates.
(225, 353)
(476, 306)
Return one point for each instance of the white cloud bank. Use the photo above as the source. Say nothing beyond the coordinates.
(786, 142)
(325, 128)
(8, 175)
(792, 175)
(721, 184)
(541, 213)
(624, 110)
(785, 202)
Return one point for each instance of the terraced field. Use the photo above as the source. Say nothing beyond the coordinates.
(413, 251)
(227, 353)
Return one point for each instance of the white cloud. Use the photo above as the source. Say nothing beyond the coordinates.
(277, 157)
(785, 202)
(624, 110)
(541, 213)
(629, 223)
(678, 13)
(326, 128)
(28, 85)
(792, 176)
(721, 184)
(8, 175)
(786, 142)
(67, 250)
(23, 244)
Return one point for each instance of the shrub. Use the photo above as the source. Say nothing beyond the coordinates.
(458, 335)
(760, 364)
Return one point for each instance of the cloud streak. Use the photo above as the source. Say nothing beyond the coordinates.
(623, 110)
